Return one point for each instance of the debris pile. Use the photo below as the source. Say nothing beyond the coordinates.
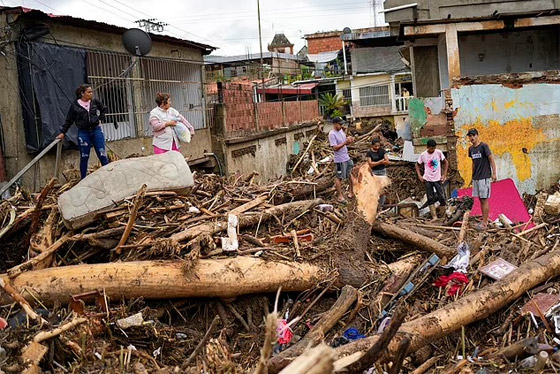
(237, 277)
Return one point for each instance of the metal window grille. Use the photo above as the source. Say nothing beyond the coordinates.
(104, 71)
(374, 96)
(347, 94)
(182, 80)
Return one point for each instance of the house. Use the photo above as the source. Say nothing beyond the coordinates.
(323, 42)
(249, 66)
(46, 57)
(380, 83)
(281, 44)
(493, 65)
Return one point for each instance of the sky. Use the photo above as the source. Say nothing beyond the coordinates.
(231, 25)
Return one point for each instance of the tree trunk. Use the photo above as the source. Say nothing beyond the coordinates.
(167, 279)
(412, 238)
(470, 308)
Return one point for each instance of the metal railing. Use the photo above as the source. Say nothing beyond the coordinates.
(130, 96)
(182, 80)
(115, 91)
(401, 103)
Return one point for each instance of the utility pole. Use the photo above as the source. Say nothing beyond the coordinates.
(260, 43)
(151, 25)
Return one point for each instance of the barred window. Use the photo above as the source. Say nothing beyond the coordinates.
(374, 96)
(347, 93)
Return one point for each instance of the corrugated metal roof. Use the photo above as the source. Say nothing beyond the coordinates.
(254, 56)
(377, 59)
(100, 26)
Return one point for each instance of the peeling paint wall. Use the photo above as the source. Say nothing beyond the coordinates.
(521, 126)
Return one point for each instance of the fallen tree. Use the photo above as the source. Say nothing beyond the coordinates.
(412, 238)
(230, 277)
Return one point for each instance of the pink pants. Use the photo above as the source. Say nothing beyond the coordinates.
(159, 151)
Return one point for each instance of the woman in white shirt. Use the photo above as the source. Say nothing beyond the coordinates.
(163, 119)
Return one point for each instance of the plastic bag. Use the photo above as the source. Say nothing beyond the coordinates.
(182, 132)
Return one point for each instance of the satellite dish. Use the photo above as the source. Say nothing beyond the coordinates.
(347, 30)
(137, 42)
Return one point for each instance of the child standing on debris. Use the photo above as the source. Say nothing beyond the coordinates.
(377, 161)
(86, 113)
(343, 162)
(377, 158)
(432, 159)
(162, 120)
(483, 174)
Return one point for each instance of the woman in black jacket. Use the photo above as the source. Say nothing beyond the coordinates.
(86, 112)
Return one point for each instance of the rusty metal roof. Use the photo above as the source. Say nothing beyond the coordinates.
(36, 14)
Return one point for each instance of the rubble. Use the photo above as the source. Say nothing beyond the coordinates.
(151, 285)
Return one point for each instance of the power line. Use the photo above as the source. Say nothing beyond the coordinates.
(282, 10)
(332, 12)
(171, 25)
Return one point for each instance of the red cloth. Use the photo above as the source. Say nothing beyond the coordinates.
(284, 332)
(456, 279)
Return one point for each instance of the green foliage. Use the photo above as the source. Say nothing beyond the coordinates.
(336, 113)
(333, 104)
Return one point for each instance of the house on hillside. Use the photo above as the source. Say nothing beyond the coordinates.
(281, 44)
(381, 83)
(493, 65)
(249, 66)
(46, 57)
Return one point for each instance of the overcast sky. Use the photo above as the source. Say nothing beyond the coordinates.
(230, 25)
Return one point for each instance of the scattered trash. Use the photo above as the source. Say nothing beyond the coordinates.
(3, 323)
(543, 301)
(231, 244)
(552, 205)
(284, 332)
(498, 269)
(461, 261)
(456, 281)
(193, 210)
(325, 207)
(353, 334)
(131, 321)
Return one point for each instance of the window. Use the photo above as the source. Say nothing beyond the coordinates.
(347, 94)
(374, 96)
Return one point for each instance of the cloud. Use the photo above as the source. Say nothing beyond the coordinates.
(230, 25)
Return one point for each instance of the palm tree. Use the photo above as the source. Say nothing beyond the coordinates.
(333, 104)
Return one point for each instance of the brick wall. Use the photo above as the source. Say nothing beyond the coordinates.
(240, 111)
(325, 44)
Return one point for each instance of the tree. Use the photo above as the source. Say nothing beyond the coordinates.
(333, 104)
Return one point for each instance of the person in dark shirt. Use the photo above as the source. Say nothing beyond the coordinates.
(483, 173)
(377, 161)
(377, 158)
(87, 113)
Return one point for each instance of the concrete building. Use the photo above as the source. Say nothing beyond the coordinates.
(249, 66)
(323, 42)
(492, 65)
(281, 44)
(380, 84)
(53, 54)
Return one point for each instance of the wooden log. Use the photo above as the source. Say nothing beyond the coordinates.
(520, 349)
(347, 297)
(318, 360)
(414, 239)
(166, 279)
(470, 308)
